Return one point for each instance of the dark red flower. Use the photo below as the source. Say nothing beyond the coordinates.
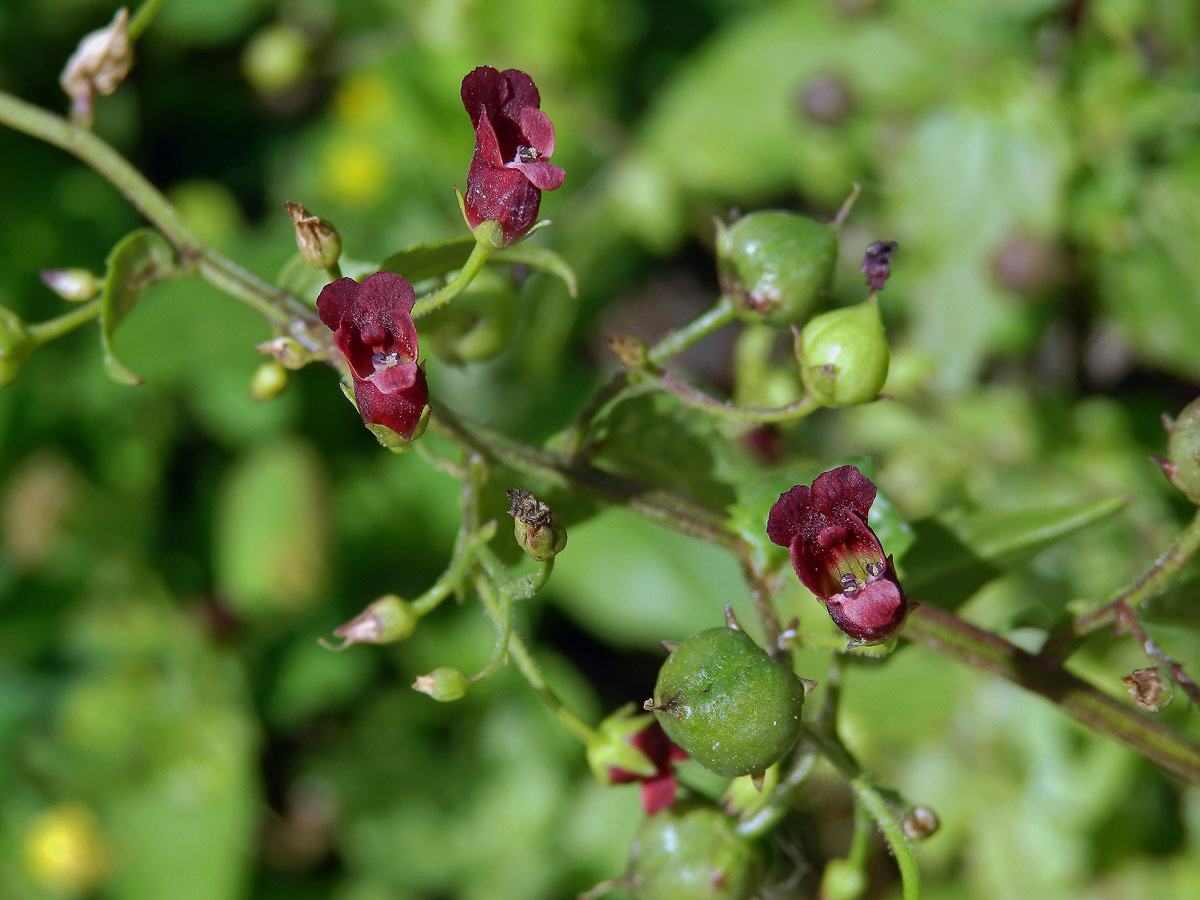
(837, 556)
(373, 328)
(658, 790)
(513, 141)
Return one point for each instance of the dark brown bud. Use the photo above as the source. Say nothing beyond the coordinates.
(630, 351)
(1146, 688)
(919, 823)
(877, 263)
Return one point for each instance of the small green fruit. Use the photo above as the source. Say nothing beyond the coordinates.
(1183, 451)
(688, 852)
(444, 685)
(721, 698)
(776, 265)
(844, 355)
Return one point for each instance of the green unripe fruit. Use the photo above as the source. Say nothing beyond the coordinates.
(268, 380)
(721, 698)
(1183, 451)
(776, 265)
(688, 852)
(478, 324)
(16, 343)
(844, 355)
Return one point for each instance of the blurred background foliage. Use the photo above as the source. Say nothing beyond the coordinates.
(169, 725)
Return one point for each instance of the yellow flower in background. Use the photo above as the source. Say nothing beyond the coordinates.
(64, 851)
(353, 171)
(363, 101)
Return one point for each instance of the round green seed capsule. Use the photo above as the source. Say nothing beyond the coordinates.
(776, 265)
(845, 355)
(721, 698)
(1183, 451)
(689, 852)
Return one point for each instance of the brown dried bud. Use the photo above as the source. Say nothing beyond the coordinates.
(1146, 688)
(877, 263)
(319, 242)
(629, 351)
(536, 528)
(99, 64)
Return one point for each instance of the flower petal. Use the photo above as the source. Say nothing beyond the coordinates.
(538, 131)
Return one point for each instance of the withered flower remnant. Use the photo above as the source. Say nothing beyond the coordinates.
(837, 556)
(877, 263)
(514, 140)
(99, 64)
(373, 329)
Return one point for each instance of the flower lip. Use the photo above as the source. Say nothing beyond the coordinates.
(837, 556)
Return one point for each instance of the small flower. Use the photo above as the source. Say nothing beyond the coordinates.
(837, 556)
(373, 329)
(514, 140)
(630, 747)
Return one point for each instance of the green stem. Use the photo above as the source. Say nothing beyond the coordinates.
(723, 409)
(334, 271)
(1146, 588)
(951, 636)
(499, 606)
(872, 800)
(460, 562)
(479, 255)
(44, 332)
(771, 814)
(278, 307)
(676, 341)
(557, 470)
(860, 841)
(143, 17)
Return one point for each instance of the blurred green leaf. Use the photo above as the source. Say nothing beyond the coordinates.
(423, 261)
(136, 262)
(957, 552)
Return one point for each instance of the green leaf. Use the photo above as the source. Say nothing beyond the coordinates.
(304, 282)
(138, 260)
(422, 261)
(957, 552)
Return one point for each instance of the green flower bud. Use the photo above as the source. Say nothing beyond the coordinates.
(844, 355)
(1182, 464)
(318, 240)
(290, 352)
(478, 324)
(385, 621)
(776, 265)
(443, 685)
(536, 528)
(72, 284)
(268, 380)
(842, 881)
(721, 698)
(691, 852)
(16, 343)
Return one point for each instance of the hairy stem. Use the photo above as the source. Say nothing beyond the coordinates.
(724, 409)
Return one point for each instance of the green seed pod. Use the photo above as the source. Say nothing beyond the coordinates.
(535, 526)
(16, 343)
(776, 265)
(690, 852)
(1183, 451)
(268, 380)
(721, 698)
(844, 355)
(479, 323)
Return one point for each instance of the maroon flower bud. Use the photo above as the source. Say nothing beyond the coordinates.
(877, 263)
(514, 140)
(373, 329)
(837, 556)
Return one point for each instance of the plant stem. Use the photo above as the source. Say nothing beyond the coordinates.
(464, 554)
(479, 255)
(951, 636)
(281, 309)
(143, 17)
(499, 605)
(673, 342)
(44, 332)
(723, 409)
(768, 817)
(872, 800)
(1146, 588)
